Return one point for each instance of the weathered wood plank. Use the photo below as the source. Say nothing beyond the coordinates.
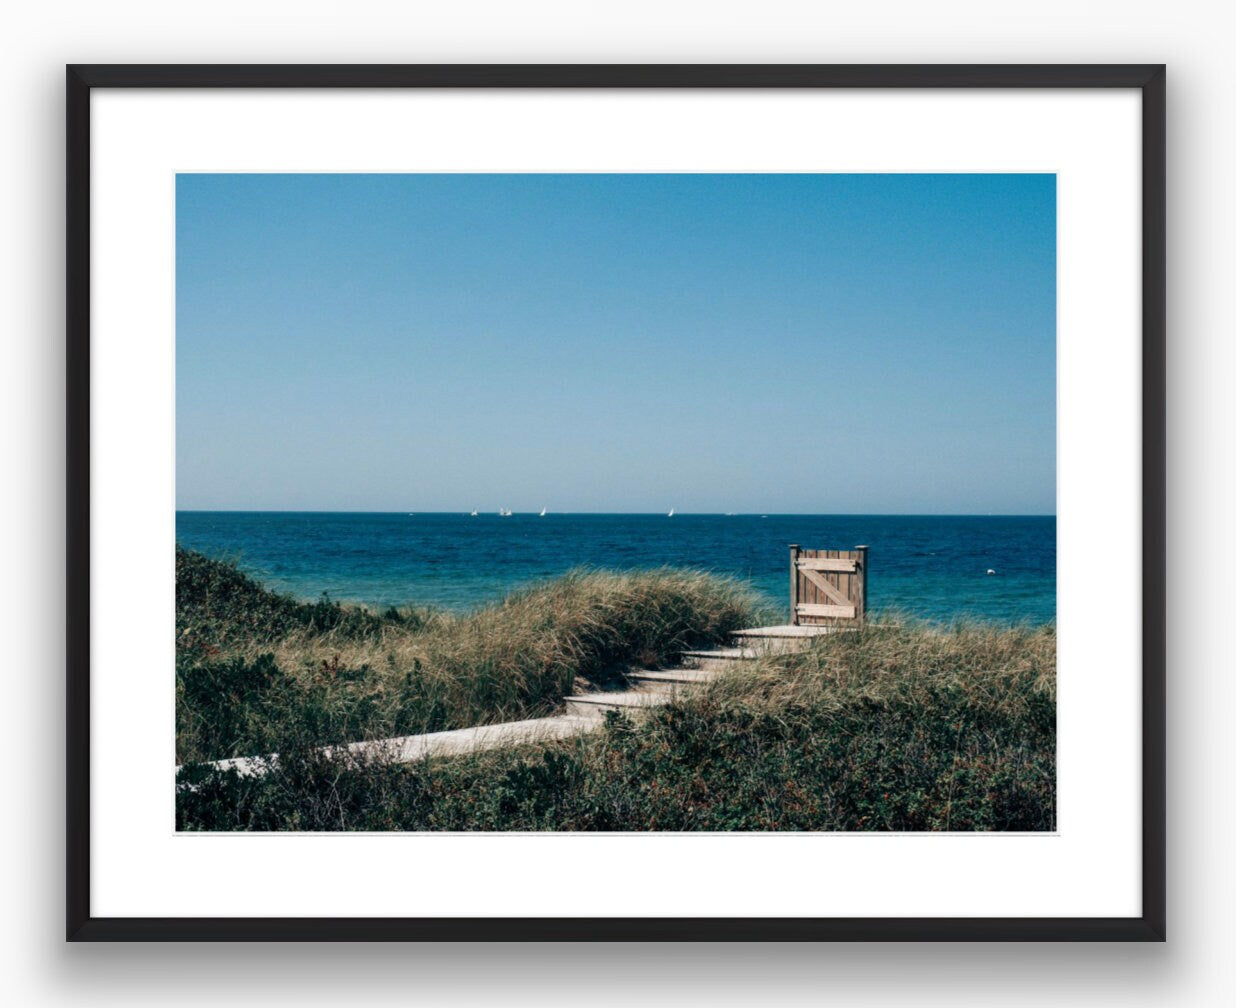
(829, 589)
(827, 564)
(840, 612)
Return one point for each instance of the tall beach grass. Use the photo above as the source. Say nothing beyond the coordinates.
(896, 727)
(258, 672)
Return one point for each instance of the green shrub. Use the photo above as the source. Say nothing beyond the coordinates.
(218, 606)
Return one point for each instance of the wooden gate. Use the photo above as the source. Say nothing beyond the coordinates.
(828, 586)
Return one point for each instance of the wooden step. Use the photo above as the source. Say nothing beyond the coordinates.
(730, 653)
(780, 639)
(785, 631)
(595, 705)
(718, 659)
(669, 682)
(683, 676)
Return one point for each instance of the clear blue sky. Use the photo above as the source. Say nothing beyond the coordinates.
(747, 343)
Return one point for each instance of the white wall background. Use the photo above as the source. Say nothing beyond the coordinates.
(1192, 37)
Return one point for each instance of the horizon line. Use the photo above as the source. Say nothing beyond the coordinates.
(718, 514)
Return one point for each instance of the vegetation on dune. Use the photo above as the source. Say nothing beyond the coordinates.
(258, 672)
(218, 607)
(896, 727)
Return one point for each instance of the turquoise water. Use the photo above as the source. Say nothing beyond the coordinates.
(932, 566)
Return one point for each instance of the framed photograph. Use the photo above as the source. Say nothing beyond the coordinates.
(616, 502)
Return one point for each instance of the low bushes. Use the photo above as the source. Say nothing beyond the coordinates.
(898, 727)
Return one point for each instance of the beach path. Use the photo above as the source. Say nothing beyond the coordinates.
(647, 689)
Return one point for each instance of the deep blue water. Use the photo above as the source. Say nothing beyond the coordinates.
(933, 566)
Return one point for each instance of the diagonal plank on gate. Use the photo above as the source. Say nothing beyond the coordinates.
(829, 589)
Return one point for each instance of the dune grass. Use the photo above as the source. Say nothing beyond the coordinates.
(257, 672)
(897, 727)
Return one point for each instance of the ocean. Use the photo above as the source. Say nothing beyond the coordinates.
(931, 566)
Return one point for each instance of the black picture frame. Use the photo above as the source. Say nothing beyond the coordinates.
(81, 925)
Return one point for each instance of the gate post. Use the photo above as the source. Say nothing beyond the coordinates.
(794, 585)
(861, 607)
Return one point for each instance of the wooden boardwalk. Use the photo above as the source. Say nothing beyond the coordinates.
(647, 688)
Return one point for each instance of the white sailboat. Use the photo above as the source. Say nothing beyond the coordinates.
(671, 514)
(504, 512)
(542, 512)
(473, 515)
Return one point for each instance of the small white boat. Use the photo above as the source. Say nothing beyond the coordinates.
(671, 514)
(504, 512)
(542, 512)
(473, 515)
